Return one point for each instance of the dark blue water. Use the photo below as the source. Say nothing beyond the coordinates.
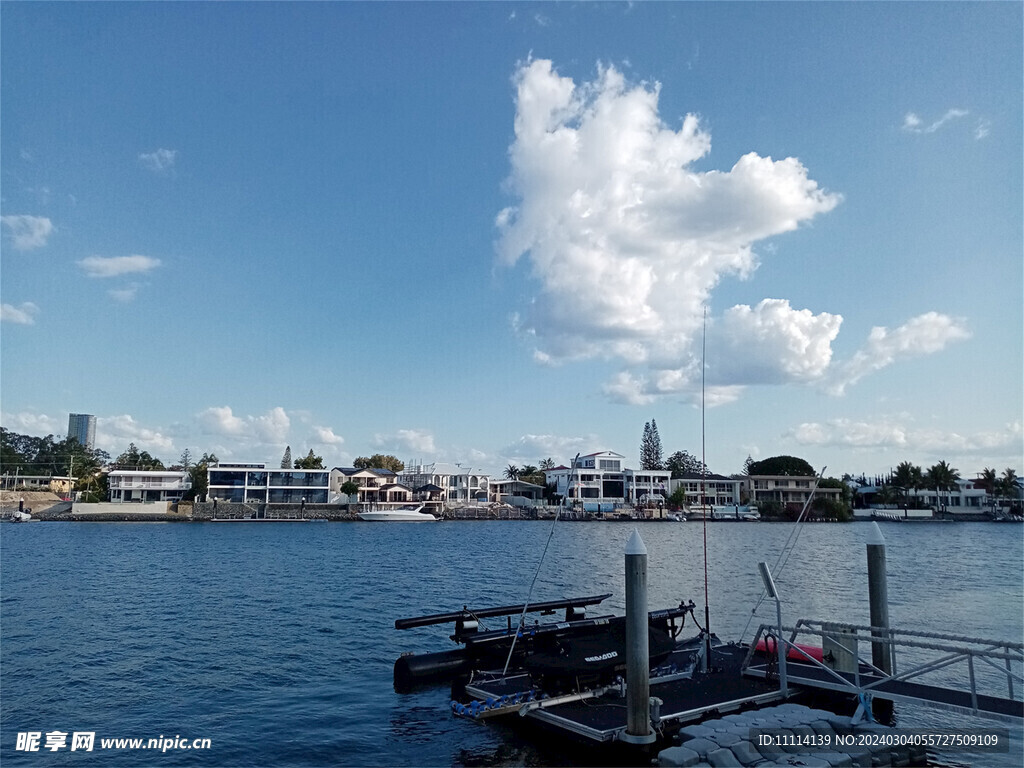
(276, 641)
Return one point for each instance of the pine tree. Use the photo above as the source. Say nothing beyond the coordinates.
(286, 460)
(650, 447)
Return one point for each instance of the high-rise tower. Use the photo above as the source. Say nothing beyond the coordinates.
(82, 427)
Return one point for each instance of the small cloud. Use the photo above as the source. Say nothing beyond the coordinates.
(326, 436)
(981, 130)
(220, 420)
(913, 124)
(99, 266)
(417, 441)
(27, 232)
(270, 428)
(114, 432)
(23, 315)
(124, 295)
(160, 160)
(26, 155)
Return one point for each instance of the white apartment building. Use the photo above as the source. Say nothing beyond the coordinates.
(255, 484)
(713, 490)
(786, 489)
(127, 486)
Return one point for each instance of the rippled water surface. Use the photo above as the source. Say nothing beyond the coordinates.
(276, 641)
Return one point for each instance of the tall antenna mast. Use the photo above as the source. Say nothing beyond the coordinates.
(704, 492)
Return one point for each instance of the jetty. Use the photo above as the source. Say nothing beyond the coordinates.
(611, 683)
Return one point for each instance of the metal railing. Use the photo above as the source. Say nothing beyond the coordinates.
(868, 679)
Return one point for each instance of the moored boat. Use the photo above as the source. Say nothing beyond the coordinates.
(406, 514)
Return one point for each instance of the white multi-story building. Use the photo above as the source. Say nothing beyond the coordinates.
(786, 489)
(127, 486)
(458, 484)
(255, 484)
(601, 481)
(710, 490)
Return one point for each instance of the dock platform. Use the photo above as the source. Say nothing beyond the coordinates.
(599, 714)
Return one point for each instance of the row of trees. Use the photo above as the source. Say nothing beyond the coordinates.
(908, 477)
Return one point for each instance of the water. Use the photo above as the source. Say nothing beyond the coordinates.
(276, 641)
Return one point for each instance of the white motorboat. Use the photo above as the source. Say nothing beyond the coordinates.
(407, 514)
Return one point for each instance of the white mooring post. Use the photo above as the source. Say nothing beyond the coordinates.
(638, 668)
(878, 595)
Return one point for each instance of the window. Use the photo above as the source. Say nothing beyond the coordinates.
(609, 464)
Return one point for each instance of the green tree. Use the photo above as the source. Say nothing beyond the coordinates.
(941, 477)
(133, 458)
(379, 461)
(650, 447)
(683, 463)
(782, 465)
(907, 478)
(286, 460)
(350, 488)
(310, 461)
(1007, 487)
(547, 463)
(512, 472)
(199, 475)
(748, 465)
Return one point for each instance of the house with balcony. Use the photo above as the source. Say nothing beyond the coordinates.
(786, 489)
(601, 482)
(130, 486)
(375, 485)
(255, 484)
(459, 485)
(708, 490)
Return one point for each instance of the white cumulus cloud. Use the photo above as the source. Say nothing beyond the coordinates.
(921, 335)
(407, 441)
(159, 160)
(270, 428)
(35, 424)
(326, 436)
(908, 441)
(624, 237)
(24, 314)
(114, 266)
(114, 433)
(27, 232)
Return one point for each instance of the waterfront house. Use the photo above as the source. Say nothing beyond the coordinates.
(253, 483)
(711, 489)
(517, 493)
(133, 486)
(786, 489)
(602, 482)
(458, 485)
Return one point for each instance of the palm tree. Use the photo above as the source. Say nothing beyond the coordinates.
(907, 478)
(1007, 485)
(989, 480)
(941, 477)
(512, 472)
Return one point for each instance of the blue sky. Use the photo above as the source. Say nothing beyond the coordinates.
(487, 233)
